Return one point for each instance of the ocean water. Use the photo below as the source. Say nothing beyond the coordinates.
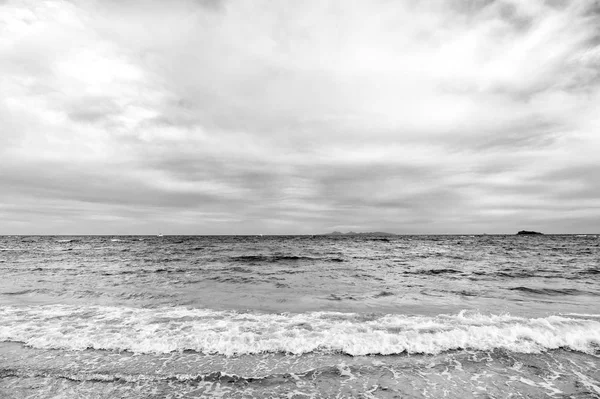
(300, 317)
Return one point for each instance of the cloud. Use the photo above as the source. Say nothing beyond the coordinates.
(202, 117)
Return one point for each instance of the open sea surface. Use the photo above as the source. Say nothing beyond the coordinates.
(300, 317)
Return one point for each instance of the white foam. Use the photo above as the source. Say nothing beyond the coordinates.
(229, 333)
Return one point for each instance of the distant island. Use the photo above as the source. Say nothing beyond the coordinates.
(367, 234)
(530, 233)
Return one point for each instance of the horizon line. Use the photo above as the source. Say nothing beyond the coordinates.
(286, 235)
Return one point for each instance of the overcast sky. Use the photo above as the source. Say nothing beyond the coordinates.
(275, 117)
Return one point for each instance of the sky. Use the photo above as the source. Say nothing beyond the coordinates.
(299, 117)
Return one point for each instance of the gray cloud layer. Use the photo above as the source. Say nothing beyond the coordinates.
(225, 117)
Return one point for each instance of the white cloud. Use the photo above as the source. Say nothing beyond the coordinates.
(284, 117)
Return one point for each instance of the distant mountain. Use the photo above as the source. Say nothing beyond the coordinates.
(366, 234)
(527, 232)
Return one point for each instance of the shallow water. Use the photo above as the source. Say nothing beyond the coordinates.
(300, 316)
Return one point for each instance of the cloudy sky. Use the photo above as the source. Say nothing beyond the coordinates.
(278, 117)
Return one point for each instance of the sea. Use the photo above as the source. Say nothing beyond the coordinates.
(486, 316)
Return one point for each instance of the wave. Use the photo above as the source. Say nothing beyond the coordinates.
(434, 271)
(143, 271)
(281, 258)
(164, 330)
(23, 292)
(83, 294)
(553, 291)
(336, 297)
(238, 279)
(384, 294)
(584, 315)
(215, 376)
(592, 270)
(516, 274)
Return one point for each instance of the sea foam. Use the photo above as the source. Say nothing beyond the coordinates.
(229, 333)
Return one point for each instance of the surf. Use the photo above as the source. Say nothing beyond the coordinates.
(231, 333)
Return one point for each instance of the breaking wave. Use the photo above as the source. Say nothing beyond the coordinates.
(229, 333)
